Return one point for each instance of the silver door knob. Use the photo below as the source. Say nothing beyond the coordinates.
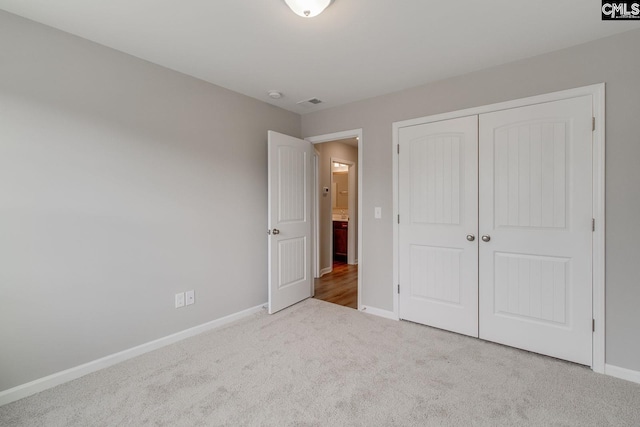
(471, 237)
(275, 231)
(486, 238)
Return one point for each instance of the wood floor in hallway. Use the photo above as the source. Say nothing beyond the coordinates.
(340, 286)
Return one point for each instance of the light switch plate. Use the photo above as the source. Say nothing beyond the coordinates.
(377, 213)
(180, 300)
(191, 297)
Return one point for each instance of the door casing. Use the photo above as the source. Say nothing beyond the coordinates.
(597, 92)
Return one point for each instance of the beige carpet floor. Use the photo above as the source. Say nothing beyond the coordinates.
(319, 364)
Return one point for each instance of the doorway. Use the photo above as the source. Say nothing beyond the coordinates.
(337, 217)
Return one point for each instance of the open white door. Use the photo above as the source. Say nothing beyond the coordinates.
(290, 220)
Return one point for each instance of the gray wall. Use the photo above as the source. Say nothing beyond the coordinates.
(113, 195)
(613, 61)
(121, 184)
(328, 150)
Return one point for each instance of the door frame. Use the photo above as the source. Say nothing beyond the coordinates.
(318, 139)
(597, 92)
(316, 223)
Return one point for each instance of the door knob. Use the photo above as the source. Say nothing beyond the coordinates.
(486, 238)
(471, 237)
(275, 231)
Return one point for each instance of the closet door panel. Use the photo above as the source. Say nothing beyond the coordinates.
(438, 194)
(535, 209)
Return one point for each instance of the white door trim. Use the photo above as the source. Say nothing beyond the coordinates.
(316, 224)
(354, 133)
(597, 92)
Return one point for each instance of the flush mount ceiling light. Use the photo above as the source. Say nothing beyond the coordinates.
(308, 8)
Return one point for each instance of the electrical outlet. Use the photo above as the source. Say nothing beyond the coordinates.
(180, 300)
(191, 297)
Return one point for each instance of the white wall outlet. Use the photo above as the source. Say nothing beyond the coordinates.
(180, 300)
(377, 213)
(191, 297)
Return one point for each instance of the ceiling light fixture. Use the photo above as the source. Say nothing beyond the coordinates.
(308, 8)
(274, 94)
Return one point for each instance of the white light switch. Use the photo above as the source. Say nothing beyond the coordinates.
(180, 300)
(191, 297)
(377, 213)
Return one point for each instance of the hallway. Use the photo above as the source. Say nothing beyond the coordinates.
(340, 286)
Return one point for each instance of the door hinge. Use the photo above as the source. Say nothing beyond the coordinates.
(398, 288)
(593, 123)
(593, 325)
(398, 148)
(593, 224)
(398, 219)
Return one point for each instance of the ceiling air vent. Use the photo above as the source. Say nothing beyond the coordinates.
(310, 102)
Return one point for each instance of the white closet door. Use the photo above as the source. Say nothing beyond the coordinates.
(438, 193)
(536, 209)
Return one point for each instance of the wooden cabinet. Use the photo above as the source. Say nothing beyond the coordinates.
(340, 239)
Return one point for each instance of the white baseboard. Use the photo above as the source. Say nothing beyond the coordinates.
(378, 312)
(326, 270)
(58, 378)
(623, 373)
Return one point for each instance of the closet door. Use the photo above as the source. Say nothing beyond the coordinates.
(438, 205)
(536, 228)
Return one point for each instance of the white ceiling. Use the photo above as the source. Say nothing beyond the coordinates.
(356, 49)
